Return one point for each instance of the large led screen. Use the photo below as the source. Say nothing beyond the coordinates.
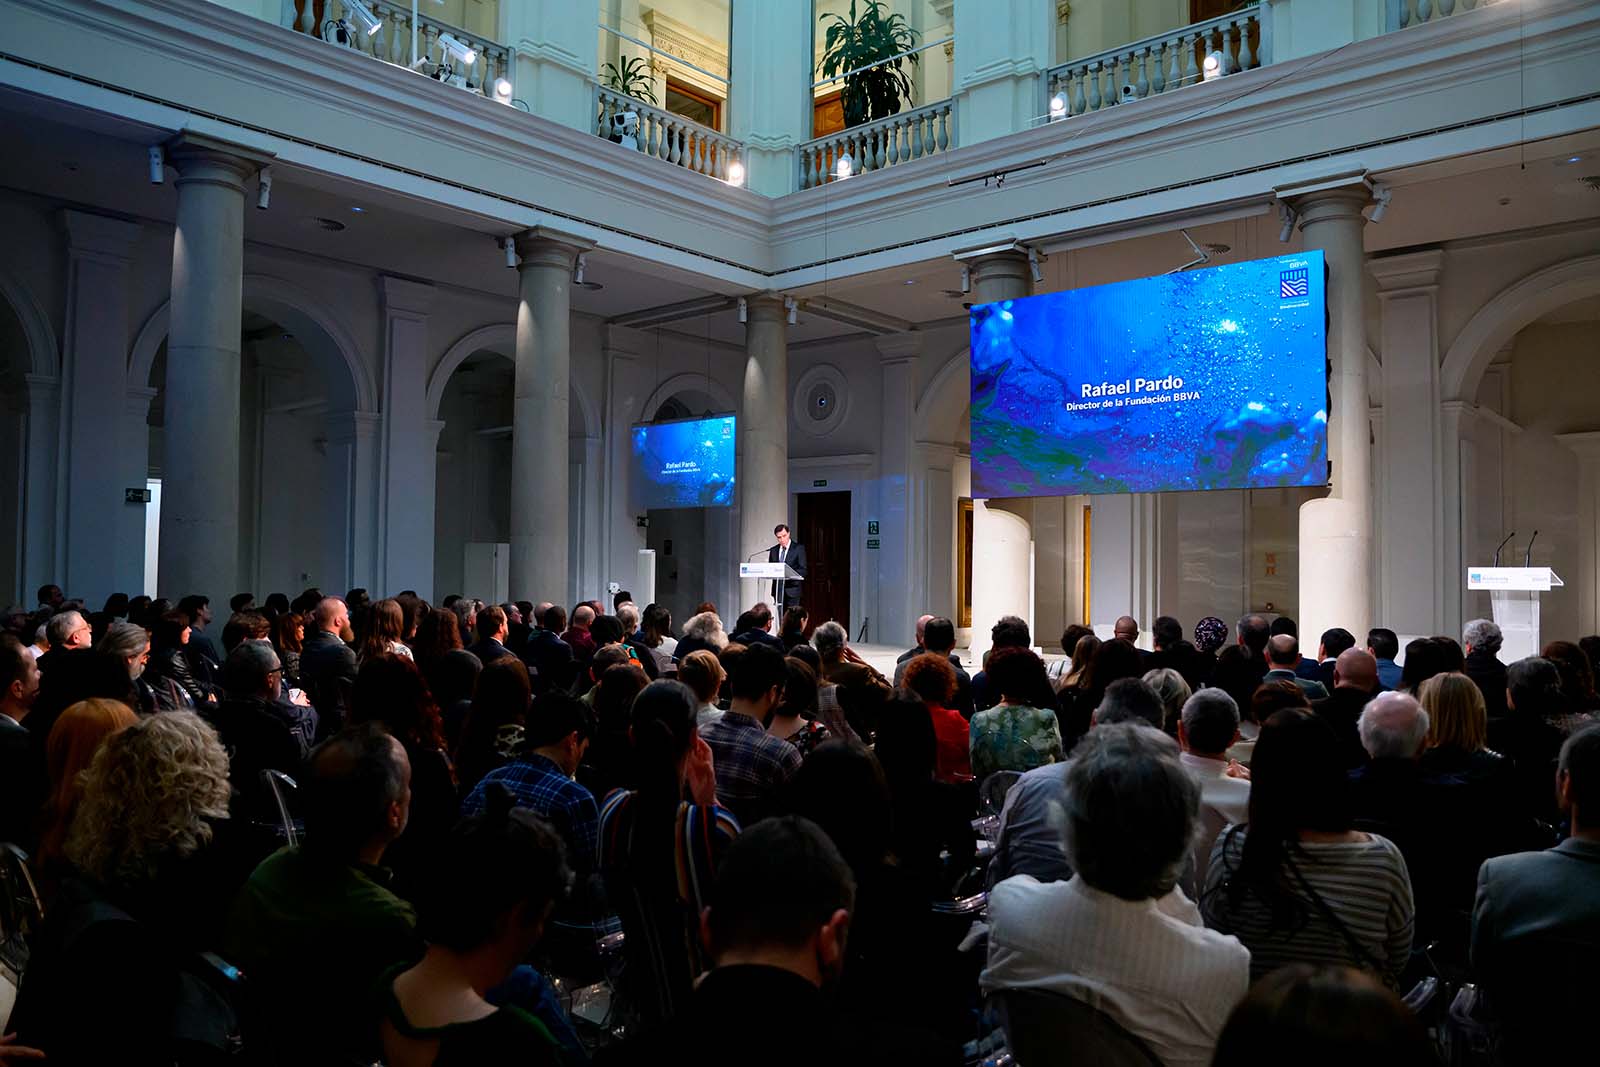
(1209, 379)
(684, 464)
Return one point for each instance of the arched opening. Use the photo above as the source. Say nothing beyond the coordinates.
(691, 544)
(15, 363)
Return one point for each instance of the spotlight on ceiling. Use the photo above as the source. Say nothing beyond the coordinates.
(460, 51)
(158, 164)
(844, 167)
(1211, 69)
(736, 173)
(1058, 107)
(510, 248)
(502, 90)
(358, 13)
(264, 189)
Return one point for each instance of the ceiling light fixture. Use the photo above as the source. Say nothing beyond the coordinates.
(363, 16)
(158, 164)
(1058, 107)
(843, 168)
(264, 189)
(502, 90)
(510, 248)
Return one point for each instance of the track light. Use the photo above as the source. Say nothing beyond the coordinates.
(1381, 195)
(1036, 265)
(577, 273)
(966, 280)
(502, 90)
(744, 310)
(792, 306)
(736, 173)
(844, 167)
(264, 189)
(1212, 69)
(357, 12)
(510, 247)
(158, 164)
(461, 52)
(1288, 216)
(1058, 107)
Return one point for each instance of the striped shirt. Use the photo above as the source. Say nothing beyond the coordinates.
(1363, 884)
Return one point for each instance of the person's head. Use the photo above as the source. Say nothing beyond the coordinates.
(706, 626)
(252, 671)
(661, 732)
(1126, 629)
(1578, 778)
(830, 640)
(1210, 634)
(244, 626)
(116, 605)
(1254, 630)
(150, 796)
(932, 677)
(390, 691)
(606, 630)
(756, 681)
(331, 615)
(513, 614)
(357, 792)
(500, 701)
(781, 532)
(1083, 653)
(619, 598)
(702, 672)
(358, 599)
(1166, 632)
(658, 623)
(19, 676)
(1114, 659)
(1010, 632)
(582, 616)
(799, 691)
(1335, 641)
(614, 693)
(198, 608)
(628, 616)
(1357, 669)
(1271, 697)
(1130, 810)
(841, 788)
(466, 610)
(1458, 717)
(794, 620)
(69, 629)
(1070, 637)
(606, 657)
(757, 618)
(939, 635)
(289, 631)
(922, 628)
(438, 632)
(782, 897)
(1383, 643)
(1533, 689)
(1428, 656)
(1482, 635)
(560, 729)
(496, 877)
(492, 624)
(241, 602)
(278, 603)
(1320, 1016)
(1577, 677)
(1283, 652)
(50, 596)
(1016, 674)
(1173, 690)
(171, 630)
(1393, 726)
(905, 744)
(1283, 624)
(77, 735)
(1130, 700)
(540, 616)
(1208, 723)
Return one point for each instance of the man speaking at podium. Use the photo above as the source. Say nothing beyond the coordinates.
(786, 593)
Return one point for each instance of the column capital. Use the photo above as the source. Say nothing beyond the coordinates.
(544, 247)
(1585, 445)
(403, 294)
(1407, 272)
(1338, 196)
(1005, 250)
(138, 401)
(897, 348)
(41, 387)
(765, 307)
(347, 426)
(101, 236)
(941, 455)
(199, 158)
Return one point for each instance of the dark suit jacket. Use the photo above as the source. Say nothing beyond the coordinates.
(551, 658)
(22, 786)
(791, 590)
(488, 650)
(757, 637)
(328, 673)
(1486, 669)
(1341, 709)
(1313, 690)
(1325, 674)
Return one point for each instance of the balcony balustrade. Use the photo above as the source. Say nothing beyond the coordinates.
(663, 135)
(925, 131)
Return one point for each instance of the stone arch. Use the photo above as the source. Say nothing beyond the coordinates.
(682, 382)
(945, 399)
(1498, 321)
(323, 336)
(500, 339)
(44, 351)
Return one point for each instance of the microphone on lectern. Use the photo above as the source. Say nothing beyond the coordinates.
(1509, 536)
(1528, 555)
(757, 552)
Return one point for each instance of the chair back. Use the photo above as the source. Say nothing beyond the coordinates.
(281, 788)
(1048, 1029)
(20, 914)
(993, 789)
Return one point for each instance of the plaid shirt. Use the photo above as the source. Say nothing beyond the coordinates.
(539, 784)
(751, 765)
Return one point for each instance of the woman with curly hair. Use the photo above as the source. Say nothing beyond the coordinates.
(118, 938)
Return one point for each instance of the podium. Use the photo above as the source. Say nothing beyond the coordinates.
(771, 572)
(1514, 597)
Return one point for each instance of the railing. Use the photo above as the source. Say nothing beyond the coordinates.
(1158, 64)
(1402, 13)
(392, 42)
(662, 135)
(926, 131)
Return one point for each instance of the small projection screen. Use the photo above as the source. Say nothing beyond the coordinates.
(687, 463)
(1208, 379)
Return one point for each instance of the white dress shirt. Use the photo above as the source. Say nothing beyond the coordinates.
(1149, 964)
(1223, 801)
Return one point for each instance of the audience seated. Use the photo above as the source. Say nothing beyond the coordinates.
(1072, 678)
(1208, 725)
(931, 678)
(754, 627)
(1010, 632)
(1383, 646)
(610, 761)
(1577, 680)
(170, 665)
(1113, 661)
(1355, 682)
(1483, 640)
(933, 838)
(1238, 675)
(1120, 935)
(22, 785)
(1334, 643)
(500, 874)
(74, 739)
(495, 724)
(1323, 1016)
(316, 924)
(702, 633)
(1014, 735)
(1283, 655)
(859, 690)
(1173, 690)
(1297, 882)
(702, 672)
(258, 733)
(655, 638)
(450, 670)
(577, 637)
(793, 718)
(1536, 921)
(1531, 732)
(550, 659)
(1426, 657)
(752, 765)
(328, 665)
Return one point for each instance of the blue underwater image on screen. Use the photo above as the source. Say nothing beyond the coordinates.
(1209, 379)
(685, 464)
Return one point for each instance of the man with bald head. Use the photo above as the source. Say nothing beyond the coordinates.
(328, 665)
(1355, 682)
(578, 637)
(912, 653)
(1283, 656)
(1127, 629)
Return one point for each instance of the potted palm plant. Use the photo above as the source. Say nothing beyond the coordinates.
(632, 78)
(867, 39)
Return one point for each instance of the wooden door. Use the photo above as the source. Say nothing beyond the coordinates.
(823, 527)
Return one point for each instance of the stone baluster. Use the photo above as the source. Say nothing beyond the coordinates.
(880, 155)
(1093, 74)
(430, 34)
(1424, 10)
(1141, 85)
(1175, 60)
(1158, 65)
(944, 127)
(926, 124)
(306, 17)
(1078, 102)
(1247, 59)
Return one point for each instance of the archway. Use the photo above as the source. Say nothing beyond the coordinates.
(29, 426)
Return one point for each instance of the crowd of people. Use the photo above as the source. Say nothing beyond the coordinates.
(345, 831)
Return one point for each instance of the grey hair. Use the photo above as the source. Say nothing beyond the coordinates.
(1210, 719)
(1482, 635)
(60, 627)
(1387, 731)
(829, 639)
(1125, 784)
(1130, 700)
(125, 640)
(628, 615)
(707, 626)
(1171, 688)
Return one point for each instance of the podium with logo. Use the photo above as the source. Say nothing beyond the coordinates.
(772, 572)
(1514, 594)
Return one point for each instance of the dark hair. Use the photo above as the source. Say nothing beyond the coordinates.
(939, 635)
(1254, 631)
(1072, 635)
(1384, 643)
(755, 672)
(391, 691)
(411, 609)
(244, 626)
(807, 654)
(614, 694)
(503, 697)
(799, 690)
(905, 745)
(1131, 700)
(794, 620)
(1009, 632)
(353, 778)
(1284, 625)
(437, 633)
(385, 623)
(555, 618)
(555, 716)
(490, 865)
(283, 631)
(1237, 673)
(1130, 810)
(657, 620)
(116, 605)
(1166, 631)
(841, 787)
(780, 528)
(1336, 640)
(12, 663)
(240, 601)
(277, 602)
(606, 630)
(191, 605)
(1580, 758)
(661, 733)
(932, 677)
(1591, 649)
(1113, 660)
(168, 630)
(780, 881)
(1320, 1016)
(1272, 697)
(490, 619)
(1577, 677)
(1298, 782)
(619, 598)
(1016, 673)
(1534, 685)
(1428, 656)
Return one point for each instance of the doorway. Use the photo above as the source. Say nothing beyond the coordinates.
(822, 525)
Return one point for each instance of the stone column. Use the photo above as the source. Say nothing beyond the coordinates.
(539, 451)
(95, 368)
(199, 550)
(770, 109)
(1002, 47)
(41, 541)
(410, 440)
(934, 526)
(902, 574)
(763, 434)
(620, 538)
(1410, 593)
(1586, 588)
(1336, 530)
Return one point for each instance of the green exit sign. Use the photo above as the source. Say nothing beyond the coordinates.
(819, 483)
